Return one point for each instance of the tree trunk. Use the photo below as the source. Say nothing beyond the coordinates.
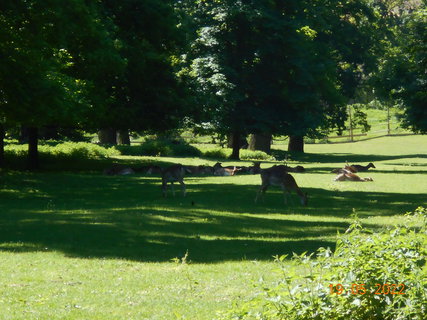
(23, 135)
(230, 140)
(123, 137)
(33, 154)
(235, 144)
(260, 142)
(2, 135)
(296, 143)
(107, 136)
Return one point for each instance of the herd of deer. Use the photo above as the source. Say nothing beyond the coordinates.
(277, 175)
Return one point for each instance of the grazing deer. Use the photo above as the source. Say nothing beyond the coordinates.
(219, 170)
(173, 174)
(276, 176)
(298, 169)
(360, 168)
(255, 169)
(286, 168)
(154, 170)
(349, 176)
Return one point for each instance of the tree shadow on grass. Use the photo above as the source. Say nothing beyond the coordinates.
(94, 216)
(340, 158)
(397, 170)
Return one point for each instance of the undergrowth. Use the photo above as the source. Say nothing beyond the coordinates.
(370, 276)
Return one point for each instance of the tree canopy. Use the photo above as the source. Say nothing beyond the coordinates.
(233, 67)
(279, 67)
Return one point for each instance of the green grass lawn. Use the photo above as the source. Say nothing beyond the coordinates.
(88, 246)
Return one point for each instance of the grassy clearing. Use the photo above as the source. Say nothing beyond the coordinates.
(84, 245)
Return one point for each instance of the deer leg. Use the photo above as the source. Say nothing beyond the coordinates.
(286, 194)
(261, 192)
(173, 190)
(184, 191)
(164, 189)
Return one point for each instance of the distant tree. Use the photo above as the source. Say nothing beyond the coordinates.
(401, 79)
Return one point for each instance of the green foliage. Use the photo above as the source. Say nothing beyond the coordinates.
(160, 147)
(73, 150)
(277, 67)
(224, 153)
(359, 118)
(254, 155)
(217, 153)
(401, 77)
(364, 263)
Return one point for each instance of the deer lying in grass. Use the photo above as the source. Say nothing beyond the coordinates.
(201, 169)
(118, 170)
(345, 169)
(219, 170)
(173, 174)
(360, 168)
(350, 176)
(276, 176)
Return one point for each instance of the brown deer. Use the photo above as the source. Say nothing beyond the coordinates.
(118, 170)
(255, 169)
(361, 168)
(276, 176)
(219, 170)
(345, 169)
(349, 176)
(201, 169)
(173, 174)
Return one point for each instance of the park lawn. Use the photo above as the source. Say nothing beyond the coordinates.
(83, 245)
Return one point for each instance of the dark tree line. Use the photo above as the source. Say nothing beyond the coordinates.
(260, 67)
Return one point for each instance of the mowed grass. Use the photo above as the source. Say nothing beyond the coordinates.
(88, 246)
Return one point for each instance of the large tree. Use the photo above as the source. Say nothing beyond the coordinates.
(35, 86)
(274, 67)
(147, 96)
(96, 65)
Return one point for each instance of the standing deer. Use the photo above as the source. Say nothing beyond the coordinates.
(173, 174)
(276, 176)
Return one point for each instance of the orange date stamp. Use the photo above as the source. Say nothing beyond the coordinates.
(356, 288)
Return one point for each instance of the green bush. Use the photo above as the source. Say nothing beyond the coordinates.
(160, 147)
(364, 263)
(217, 153)
(224, 153)
(254, 155)
(75, 150)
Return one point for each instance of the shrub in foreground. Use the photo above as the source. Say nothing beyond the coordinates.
(376, 276)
